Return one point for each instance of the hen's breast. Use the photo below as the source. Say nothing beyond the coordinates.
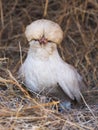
(40, 74)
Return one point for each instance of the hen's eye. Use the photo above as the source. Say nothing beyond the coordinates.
(33, 40)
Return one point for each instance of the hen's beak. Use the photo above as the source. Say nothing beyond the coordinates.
(43, 40)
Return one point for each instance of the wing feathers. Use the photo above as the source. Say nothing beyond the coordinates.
(70, 81)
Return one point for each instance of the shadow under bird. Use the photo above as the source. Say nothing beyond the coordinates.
(44, 71)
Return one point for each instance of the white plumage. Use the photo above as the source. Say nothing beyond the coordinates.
(44, 71)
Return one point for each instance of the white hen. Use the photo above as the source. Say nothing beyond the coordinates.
(44, 71)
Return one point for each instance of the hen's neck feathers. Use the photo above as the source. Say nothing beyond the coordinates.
(42, 52)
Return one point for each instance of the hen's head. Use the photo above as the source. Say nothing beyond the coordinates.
(44, 31)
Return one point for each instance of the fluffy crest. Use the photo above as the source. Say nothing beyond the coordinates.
(39, 28)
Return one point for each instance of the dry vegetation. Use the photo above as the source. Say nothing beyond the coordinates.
(79, 21)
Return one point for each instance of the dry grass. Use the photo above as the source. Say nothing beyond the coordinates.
(79, 21)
